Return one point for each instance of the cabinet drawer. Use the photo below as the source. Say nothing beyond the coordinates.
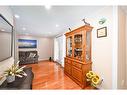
(77, 74)
(78, 65)
(68, 68)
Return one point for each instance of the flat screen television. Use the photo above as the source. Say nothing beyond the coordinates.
(6, 39)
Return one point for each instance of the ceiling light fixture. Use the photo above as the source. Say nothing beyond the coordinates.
(17, 16)
(48, 7)
(57, 25)
(23, 28)
(2, 30)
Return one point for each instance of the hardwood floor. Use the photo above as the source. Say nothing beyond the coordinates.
(49, 75)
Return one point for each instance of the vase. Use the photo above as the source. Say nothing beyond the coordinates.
(10, 79)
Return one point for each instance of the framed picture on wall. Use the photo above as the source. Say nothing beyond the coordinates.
(102, 32)
(24, 43)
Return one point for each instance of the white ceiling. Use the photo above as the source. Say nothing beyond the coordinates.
(42, 22)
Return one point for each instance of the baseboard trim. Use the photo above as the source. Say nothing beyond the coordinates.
(42, 60)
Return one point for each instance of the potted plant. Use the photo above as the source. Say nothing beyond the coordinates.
(94, 79)
(15, 70)
(1, 77)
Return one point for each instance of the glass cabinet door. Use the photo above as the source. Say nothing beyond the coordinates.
(69, 46)
(78, 47)
(88, 46)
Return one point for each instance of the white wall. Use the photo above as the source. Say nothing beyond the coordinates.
(126, 50)
(44, 46)
(6, 12)
(121, 49)
(102, 48)
(126, 41)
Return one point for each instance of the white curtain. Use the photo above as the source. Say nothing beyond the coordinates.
(59, 49)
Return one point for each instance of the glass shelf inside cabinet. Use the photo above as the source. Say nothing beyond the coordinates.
(78, 46)
(88, 56)
(69, 46)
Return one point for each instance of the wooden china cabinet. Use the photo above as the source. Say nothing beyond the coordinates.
(78, 54)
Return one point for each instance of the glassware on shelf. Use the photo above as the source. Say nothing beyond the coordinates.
(69, 46)
(78, 38)
(78, 47)
(88, 46)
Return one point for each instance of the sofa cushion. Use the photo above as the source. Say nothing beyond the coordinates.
(32, 55)
(26, 57)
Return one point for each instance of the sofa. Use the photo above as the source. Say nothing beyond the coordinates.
(27, 57)
(20, 83)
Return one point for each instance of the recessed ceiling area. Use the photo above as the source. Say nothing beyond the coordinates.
(49, 21)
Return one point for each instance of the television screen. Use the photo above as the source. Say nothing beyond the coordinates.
(5, 39)
(25, 43)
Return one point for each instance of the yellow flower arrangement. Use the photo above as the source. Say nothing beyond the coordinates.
(91, 72)
(93, 78)
(89, 75)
